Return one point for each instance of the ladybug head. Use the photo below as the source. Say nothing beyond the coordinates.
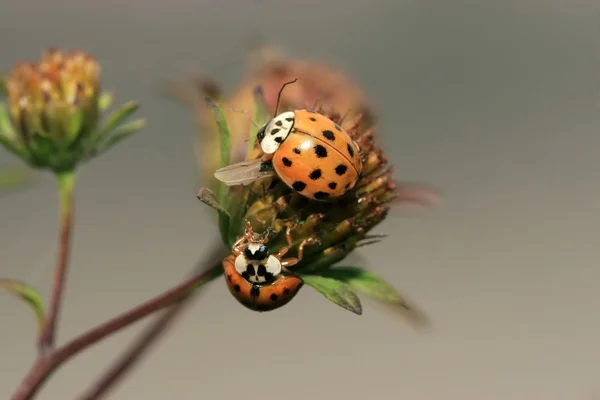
(256, 252)
(260, 135)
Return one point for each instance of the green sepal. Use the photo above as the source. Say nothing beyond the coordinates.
(6, 126)
(335, 291)
(45, 152)
(325, 260)
(224, 135)
(119, 135)
(76, 122)
(118, 116)
(225, 145)
(29, 295)
(261, 114)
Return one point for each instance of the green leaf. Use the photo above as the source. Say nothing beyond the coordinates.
(118, 116)
(375, 287)
(27, 294)
(224, 136)
(209, 198)
(119, 135)
(6, 127)
(105, 101)
(261, 114)
(366, 282)
(335, 291)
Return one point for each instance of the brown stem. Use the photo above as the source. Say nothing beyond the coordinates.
(48, 335)
(119, 370)
(45, 366)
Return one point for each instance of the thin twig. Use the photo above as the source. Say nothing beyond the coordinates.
(65, 188)
(45, 366)
(120, 369)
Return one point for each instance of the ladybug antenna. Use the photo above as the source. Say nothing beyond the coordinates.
(279, 95)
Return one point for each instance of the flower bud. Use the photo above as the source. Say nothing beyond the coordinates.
(54, 107)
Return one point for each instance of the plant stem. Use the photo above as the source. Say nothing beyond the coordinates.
(66, 183)
(45, 366)
(119, 370)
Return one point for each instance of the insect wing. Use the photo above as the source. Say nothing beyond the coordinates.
(242, 173)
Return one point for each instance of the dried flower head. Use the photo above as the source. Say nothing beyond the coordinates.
(335, 228)
(54, 108)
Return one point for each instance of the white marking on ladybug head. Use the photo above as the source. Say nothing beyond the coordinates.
(241, 265)
(275, 132)
(273, 265)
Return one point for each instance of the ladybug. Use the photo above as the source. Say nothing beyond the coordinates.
(257, 279)
(309, 152)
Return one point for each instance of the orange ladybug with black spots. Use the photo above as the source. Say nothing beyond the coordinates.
(257, 279)
(309, 152)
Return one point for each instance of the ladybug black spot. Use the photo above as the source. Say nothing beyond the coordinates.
(255, 291)
(320, 151)
(278, 139)
(286, 291)
(297, 150)
(250, 269)
(341, 169)
(274, 297)
(274, 131)
(321, 195)
(332, 185)
(339, 128)
(329, 135)
(313, 119)
(229, 277)
(299, 186)
(350, 150)
(289, 119)
(278, 123)
(286, 161)
(237, 288)
(316, 174)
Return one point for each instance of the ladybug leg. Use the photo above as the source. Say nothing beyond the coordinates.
(308, 241)
(249, 232)
(293, 261)
(288, 238)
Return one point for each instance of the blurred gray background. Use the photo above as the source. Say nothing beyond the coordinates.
(495, 102)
